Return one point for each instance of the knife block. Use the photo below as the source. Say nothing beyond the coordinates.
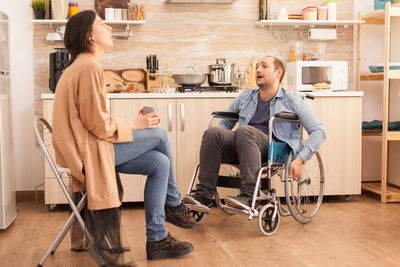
(150, 83)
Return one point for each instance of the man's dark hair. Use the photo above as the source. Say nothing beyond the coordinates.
(278, 64)
(77, 33)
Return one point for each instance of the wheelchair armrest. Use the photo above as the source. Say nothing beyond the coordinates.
(287, 116)
(225, 115)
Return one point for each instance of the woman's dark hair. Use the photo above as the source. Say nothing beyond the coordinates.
(77, 32)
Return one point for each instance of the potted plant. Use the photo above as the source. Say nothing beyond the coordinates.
(39, 8)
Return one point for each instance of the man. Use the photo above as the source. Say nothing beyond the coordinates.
(248, 144)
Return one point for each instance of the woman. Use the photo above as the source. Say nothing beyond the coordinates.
(93, 144)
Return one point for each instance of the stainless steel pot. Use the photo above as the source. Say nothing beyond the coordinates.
(221, 73)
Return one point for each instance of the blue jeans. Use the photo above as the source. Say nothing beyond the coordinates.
(150, 154)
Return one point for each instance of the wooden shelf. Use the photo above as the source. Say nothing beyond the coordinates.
(394, 74)
(309, 23)
(371, 76)
(375, 17)
(64, 21)
(393, 136)
(371, 134)
(392, 193)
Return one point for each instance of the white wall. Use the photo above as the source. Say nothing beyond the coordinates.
(27, 156)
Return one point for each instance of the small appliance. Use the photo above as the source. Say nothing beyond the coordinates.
(58, 62)
(302, 75)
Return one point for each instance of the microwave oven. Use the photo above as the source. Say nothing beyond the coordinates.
(302, 75)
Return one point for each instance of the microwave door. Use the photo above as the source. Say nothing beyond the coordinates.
(312, 75)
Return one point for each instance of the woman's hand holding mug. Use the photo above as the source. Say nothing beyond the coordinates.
(147, 118)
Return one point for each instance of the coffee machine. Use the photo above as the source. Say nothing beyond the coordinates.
(58, 62)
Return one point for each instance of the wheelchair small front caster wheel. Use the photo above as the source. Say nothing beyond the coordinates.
(52, 207)
(197, 215)
(266, 225)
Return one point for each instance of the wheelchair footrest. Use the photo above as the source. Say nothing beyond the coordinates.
(234, 182)
(234, 210)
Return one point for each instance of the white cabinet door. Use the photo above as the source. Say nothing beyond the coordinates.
(128, 109)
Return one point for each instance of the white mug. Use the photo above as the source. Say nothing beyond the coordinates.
(61, 31)
(117, 13)
(109, 13)
(53, 36)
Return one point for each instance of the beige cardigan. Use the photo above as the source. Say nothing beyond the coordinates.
(84, 132)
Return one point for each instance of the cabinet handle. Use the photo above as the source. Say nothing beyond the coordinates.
(182, 117)
(169, 117)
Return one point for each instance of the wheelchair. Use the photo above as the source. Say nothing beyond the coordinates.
(303, 196)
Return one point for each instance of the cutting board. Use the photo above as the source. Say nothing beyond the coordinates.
(100, 5)
(137, 76)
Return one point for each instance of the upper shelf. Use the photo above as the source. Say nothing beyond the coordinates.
(375, 17)
(308, 23)
(378, 16)
(200, 1)
(64, 21)
(294, 23)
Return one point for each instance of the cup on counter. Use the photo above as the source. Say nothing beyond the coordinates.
(109, 13)
(117, 14)
(124, 14)
(61, 31)
(322, 13)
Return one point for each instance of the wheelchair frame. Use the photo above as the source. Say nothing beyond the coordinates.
(269, 215)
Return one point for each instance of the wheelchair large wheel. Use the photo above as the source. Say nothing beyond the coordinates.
(266, 224)
(304, 196)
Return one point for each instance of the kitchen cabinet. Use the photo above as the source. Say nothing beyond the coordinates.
(186, 116)
(128, 109)
(185, 121)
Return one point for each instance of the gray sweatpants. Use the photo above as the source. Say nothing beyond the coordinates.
(247, 146)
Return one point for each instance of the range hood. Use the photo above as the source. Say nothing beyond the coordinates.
(200, 1)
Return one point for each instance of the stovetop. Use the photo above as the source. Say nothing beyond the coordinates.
(191, 88)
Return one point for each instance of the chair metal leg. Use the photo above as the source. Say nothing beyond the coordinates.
(193, 178)
(52, 249)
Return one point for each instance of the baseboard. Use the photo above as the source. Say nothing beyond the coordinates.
(28, 196)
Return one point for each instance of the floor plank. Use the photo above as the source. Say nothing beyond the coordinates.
(362, 232)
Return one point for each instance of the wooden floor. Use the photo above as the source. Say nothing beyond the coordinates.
(362, 232)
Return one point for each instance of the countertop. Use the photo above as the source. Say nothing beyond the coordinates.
(211, 95)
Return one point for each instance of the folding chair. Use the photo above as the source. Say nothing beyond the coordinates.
(43, 132)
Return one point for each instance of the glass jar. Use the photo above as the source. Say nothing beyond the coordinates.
(73, 8)
(310, 13)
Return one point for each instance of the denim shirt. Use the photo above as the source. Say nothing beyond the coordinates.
(246, 103)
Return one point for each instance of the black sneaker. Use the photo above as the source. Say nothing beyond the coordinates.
(169, 247)
(179, 216)
(241, 202)
(198, 202)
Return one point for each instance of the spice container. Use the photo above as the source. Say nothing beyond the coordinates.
(310, 13)
(292, 54)
(142, 12)
(133, 11)
(73, 8)
(331, 4)
(136, 11)
(263, 9)
(322, 13)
